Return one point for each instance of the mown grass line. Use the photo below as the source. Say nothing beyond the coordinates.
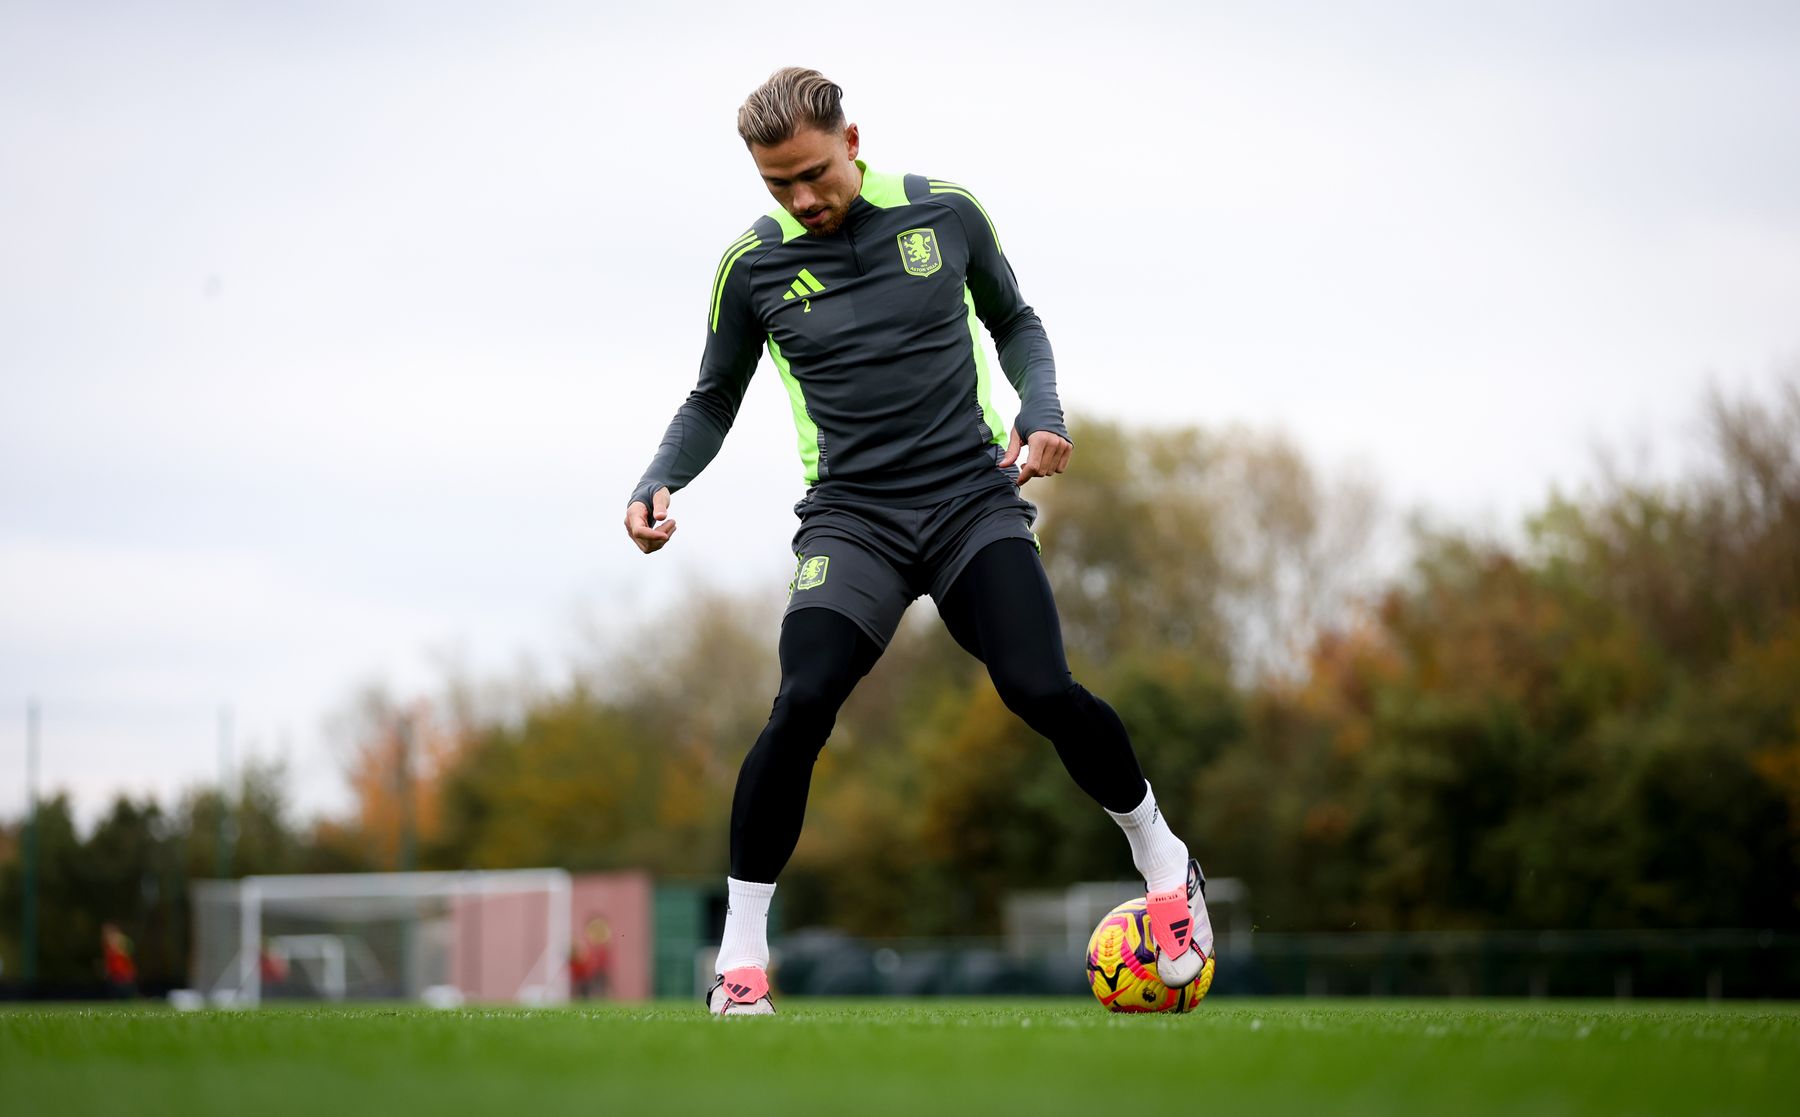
(1265, 1057)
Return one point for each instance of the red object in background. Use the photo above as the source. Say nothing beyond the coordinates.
(115, 957)
(582, 966)
(590, 960)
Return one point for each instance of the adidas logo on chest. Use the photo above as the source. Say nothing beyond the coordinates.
(804, 287)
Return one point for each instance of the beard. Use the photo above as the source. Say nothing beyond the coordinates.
(834, 221)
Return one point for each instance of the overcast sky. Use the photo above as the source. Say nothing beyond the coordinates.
(333, 336)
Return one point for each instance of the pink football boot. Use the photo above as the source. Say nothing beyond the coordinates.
(743, 991)
(1182, 929)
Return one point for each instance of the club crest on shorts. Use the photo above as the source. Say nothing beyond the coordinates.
(811, 574)
(919, 251)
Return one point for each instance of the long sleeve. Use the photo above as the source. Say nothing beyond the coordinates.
(1018, 334)
(733, 345)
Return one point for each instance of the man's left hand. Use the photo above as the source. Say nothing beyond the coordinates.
(1045, 454)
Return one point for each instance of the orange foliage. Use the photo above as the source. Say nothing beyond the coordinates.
(1346, 669)
(395, 773)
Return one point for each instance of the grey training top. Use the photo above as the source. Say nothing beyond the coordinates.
(873, 330)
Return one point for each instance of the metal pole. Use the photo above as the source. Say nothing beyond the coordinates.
(562, 931)
(29, 932)
(224, 838)
(404, 854)
(250, 943)
(403, 786)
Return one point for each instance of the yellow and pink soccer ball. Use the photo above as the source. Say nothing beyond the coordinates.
(1121, 966)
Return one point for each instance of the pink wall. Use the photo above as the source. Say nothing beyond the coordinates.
(495, 941)
(621, 904)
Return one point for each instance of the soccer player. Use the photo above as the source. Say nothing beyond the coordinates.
(868, 290)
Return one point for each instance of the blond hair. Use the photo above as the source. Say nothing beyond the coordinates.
(793, 98)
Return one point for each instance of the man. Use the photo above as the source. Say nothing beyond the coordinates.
(867, 289)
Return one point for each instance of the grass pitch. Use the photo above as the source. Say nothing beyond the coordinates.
(906, 1057)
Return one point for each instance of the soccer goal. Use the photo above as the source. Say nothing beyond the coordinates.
(444, 938)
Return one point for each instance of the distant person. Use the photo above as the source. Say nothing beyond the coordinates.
(866, 288)
(272, 966)
(590, 960)
(116, 962)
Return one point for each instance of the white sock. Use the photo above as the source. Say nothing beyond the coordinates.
(1161, 858)
(746, 941)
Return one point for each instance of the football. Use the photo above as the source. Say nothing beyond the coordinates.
(1121, 966)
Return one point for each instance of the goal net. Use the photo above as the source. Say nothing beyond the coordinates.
(444, 938)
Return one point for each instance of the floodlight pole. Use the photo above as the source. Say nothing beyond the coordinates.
(403, 787)
(29, 932)
(224, 838)
(404, 855)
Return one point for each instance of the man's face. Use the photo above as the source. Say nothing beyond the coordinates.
(814, 176)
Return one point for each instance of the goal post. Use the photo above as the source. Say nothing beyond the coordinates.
(500, 935)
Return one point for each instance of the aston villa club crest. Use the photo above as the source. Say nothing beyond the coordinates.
(811, 574)
(919, 252)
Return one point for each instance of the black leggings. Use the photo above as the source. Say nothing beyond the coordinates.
(1001, 611)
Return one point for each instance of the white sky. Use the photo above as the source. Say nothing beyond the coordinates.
(332, 336)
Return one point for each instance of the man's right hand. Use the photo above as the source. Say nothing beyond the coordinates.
(650, 534)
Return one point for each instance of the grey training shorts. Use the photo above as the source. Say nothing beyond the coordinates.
(869, 561)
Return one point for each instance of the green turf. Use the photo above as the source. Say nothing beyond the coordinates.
(906, 1057)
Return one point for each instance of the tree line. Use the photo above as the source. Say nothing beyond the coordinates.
(1591, 722)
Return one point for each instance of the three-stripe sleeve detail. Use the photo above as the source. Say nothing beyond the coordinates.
(939, 186)
(738, 247)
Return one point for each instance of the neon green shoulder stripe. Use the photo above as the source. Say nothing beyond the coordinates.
(883, 191)
(732, 255)
(790, 225)
(939, 186)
